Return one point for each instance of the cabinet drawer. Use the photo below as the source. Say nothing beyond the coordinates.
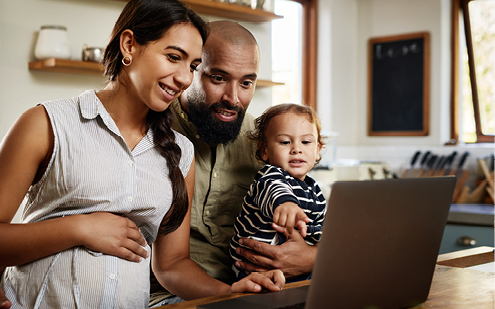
(460, 237)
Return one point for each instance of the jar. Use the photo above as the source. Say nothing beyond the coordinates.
(94, 54)
(52, 43)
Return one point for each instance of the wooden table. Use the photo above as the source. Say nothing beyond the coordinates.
(453, 286)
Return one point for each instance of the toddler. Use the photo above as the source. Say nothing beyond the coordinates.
(289, 142)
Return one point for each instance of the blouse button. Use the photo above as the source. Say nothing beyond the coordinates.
(112, 276)
(129, 198)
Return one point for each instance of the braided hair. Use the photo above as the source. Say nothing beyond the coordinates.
(150, 20)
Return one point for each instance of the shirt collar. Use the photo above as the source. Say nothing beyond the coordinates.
(183, 119)
(91, 107)
(89, 104)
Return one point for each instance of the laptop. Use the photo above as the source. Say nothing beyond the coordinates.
(378, 249)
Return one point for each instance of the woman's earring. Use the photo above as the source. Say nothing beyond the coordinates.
(127, 60)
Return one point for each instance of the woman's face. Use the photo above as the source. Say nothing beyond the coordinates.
(161, 70)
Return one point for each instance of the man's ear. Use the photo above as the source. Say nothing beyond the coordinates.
(127, 43)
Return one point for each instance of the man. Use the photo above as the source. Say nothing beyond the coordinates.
(212, 114)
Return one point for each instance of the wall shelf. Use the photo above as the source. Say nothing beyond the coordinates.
(206, 7)
(93, 68)
(67, 66)
(229, 10)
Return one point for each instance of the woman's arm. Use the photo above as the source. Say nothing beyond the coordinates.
(183, 277)
(25, 152)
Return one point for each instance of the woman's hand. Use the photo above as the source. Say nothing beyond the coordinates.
(4, 302)
(112, 234)
(272, 280)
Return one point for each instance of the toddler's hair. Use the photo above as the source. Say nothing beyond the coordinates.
(261, 123)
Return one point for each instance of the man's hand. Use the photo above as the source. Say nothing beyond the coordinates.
(272, 280)
(294, 257)
(290, 215)
(4, 302)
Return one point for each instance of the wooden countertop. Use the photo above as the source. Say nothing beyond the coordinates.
(453, 286)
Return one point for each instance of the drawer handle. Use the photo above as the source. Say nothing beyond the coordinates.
(466, 241)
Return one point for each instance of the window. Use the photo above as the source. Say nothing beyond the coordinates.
(287, 52)
(473, 71)
(294, 52)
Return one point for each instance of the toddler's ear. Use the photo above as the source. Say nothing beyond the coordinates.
(320, 146)
(263, 154)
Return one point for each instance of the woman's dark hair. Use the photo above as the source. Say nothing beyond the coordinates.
(150, 20)
(261, 124)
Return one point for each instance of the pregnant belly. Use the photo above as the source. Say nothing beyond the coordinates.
(82, 278)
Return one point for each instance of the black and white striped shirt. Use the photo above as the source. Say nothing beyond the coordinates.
(273, 186)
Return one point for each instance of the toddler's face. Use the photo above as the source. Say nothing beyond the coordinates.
(292, 144)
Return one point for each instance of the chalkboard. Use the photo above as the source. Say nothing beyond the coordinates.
(398, 85)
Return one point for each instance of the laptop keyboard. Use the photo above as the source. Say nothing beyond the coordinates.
(294, 306)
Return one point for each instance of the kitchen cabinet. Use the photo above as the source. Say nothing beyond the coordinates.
(468, 226)
(459, 237)
(93, 68)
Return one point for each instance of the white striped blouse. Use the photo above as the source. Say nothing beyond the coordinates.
(92, 169)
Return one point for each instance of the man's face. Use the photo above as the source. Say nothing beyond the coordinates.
(221, 91)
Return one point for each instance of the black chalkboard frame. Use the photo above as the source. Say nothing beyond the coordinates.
(420, 123)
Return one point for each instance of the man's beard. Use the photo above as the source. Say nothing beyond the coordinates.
(212, 130)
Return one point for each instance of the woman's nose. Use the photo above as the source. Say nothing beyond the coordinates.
(184, 77)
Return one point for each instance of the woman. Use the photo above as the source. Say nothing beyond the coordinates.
(104, 175)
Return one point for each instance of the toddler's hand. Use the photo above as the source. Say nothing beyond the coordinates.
(290, 215)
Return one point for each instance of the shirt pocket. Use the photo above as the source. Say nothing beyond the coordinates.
(221, 220)
(235, 202)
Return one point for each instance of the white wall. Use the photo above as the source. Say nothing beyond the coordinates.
(345, 26)
(87, 21)
(344, 29)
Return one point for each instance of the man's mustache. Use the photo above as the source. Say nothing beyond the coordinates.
(236, 109)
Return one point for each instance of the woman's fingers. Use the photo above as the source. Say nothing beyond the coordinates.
(4, 302)
(136, 249)
(134, 233)
(275, 278)
(272, 280)
(114, 235)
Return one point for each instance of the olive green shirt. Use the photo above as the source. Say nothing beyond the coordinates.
(219, 191)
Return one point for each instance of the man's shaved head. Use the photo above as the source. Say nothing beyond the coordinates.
(230, 32)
